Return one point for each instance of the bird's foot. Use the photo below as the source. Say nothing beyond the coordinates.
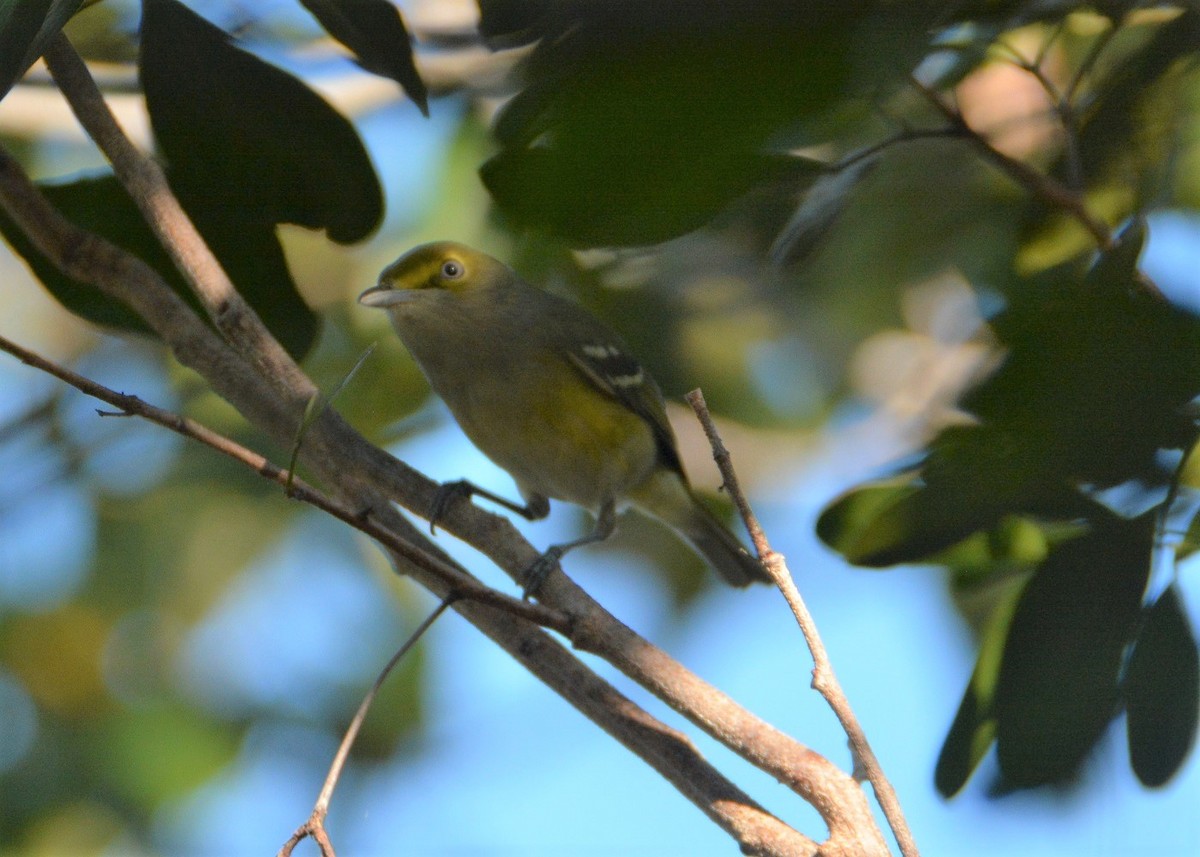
(448, 493)
(537, 572)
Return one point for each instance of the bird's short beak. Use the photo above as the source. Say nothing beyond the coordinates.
(385, 296)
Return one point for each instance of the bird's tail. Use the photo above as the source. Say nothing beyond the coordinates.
(666, 496)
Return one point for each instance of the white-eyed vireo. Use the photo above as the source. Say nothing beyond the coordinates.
(550, 394)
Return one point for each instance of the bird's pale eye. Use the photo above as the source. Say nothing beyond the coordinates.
(452, 269)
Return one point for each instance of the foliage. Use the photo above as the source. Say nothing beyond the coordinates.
(696, 140)
(661, 125)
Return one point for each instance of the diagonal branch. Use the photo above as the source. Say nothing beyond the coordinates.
(147, 185)
(1042, 186)
(461, 584)
(340, 460)
(262, 382)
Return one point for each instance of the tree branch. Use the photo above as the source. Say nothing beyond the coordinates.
(461, 585)
(315, 825)
(271, 391)
(824, 679)
(147, 185)
(89, 258)
(1039, 184)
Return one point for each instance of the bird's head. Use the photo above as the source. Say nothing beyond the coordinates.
(443, 267)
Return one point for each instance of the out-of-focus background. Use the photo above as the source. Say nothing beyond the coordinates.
(181, 646)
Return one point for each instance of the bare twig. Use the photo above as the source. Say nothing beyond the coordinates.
(1039, 184)
(824, 679)
(462, 585)
(315, 825)
(147, 185)
(1063, 109)
(317, 405)
(366, 478)
(1089, 62)
(906, 135)
(368, 475)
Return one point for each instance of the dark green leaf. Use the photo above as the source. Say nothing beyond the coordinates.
(1116, 125)
(895, 522)
(641, 121)
(1097, 374)
(249, 252)
(970, 736)
(1162, 692)
(506, 23)
(253, 258)
(245, 138)
(375, 32)
(26, 27)
(1058, 683)
(972, 478)
(98, 205)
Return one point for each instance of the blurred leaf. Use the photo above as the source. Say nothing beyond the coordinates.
(63, 677)
(245, 139)
(642, 121)
(820, 209)
(972, 478)
(864, 526)
(1115, 125)
(161, 753)
(1057, 688)
(1095, 383)
(102, 206)
(1098, 372)
(375, 32)
(505, 23)
(249, 252)
(974, 727)
(26, 27)
(1162, 692)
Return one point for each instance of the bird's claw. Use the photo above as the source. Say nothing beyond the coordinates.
(537, 572)
(448, 493)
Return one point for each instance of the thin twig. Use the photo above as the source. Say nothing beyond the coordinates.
(150, 191)
(1039, 184)
(824, 679)
(317, 406)
(366, 476)
(462, 585)
(905, 135)
(1064, 110)
(1088, 62)
(315, 825)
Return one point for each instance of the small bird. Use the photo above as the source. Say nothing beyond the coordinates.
(551, 395)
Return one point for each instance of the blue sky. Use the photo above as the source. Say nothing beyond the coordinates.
(505, 767)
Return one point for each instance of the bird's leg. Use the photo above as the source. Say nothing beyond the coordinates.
(535, 508)
(535, 575)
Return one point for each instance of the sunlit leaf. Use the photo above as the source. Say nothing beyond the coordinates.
(974, 727)
(159, 753)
